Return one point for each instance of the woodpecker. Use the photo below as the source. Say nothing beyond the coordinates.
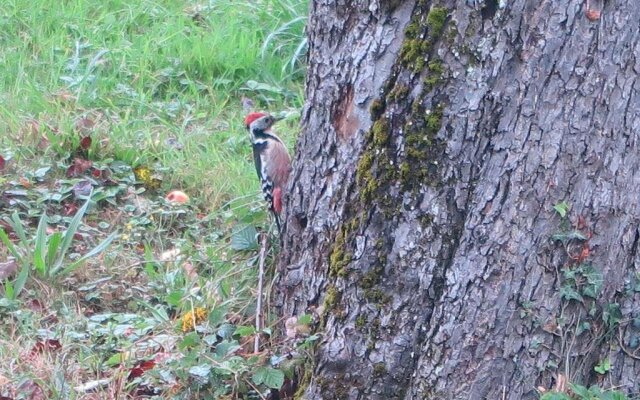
(271, 158)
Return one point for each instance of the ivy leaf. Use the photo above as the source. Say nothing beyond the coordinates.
(217, 315)
(305, 319)
(562, 208)
(244, 238)
(603, 366)
(568, 293)
(580, 391)
(226, 348)
(226, 331)
(612, 315)
(200, 371)
(567, 236)
(270, 377)
(244, 331)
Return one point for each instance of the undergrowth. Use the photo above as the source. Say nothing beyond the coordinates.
(108, 287)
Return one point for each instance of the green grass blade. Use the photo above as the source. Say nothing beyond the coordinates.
(38, 251)
(94, 252)
(68, 235)
(283, 28)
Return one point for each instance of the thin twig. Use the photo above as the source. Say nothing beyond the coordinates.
(624, 349)
(263, 251)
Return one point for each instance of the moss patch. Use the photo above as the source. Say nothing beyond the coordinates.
(332, 297)
(379, 370)
(433, 120)
(436, 20)
(372, 277)
(399, 92)
(361, 321)
(380, 131)
(418, 44)
(434, 74)
(413, 53)
(376, 109)
(304, 382)
(339, 258)
(377, 297)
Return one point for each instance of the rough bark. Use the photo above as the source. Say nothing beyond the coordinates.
(420, 218)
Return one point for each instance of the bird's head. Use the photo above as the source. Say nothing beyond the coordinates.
(259, 122)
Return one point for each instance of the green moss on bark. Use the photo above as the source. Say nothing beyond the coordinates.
(379, 370)
(436, 20)
(380, 131)
(331, 298)
(434, 76)
(376, 109)
(339, 258)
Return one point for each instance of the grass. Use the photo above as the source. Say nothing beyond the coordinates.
(156, 87)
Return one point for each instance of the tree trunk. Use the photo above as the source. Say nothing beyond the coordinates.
(437, 138)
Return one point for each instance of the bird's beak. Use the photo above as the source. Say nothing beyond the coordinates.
(279, 118)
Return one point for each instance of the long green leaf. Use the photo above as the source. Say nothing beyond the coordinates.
(18, 228)
(7, 242)
(9, 292)
(158, 311)
(21, 280)
(95, 251)
(52, 250)
(38, 251)
(71, 231)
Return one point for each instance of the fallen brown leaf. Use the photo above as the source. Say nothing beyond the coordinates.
(85, 125)
(26, 183)
(32, 390)
(190, 271)
(64, 96)
(8, 269)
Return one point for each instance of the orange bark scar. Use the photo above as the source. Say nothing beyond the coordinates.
(345, 120)
(277, 200)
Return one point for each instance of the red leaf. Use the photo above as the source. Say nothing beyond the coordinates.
(70, 209)
(141, 366)
(78, 167)
(85, 143)
(35, 305)
(47, 345)
(2, 163)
